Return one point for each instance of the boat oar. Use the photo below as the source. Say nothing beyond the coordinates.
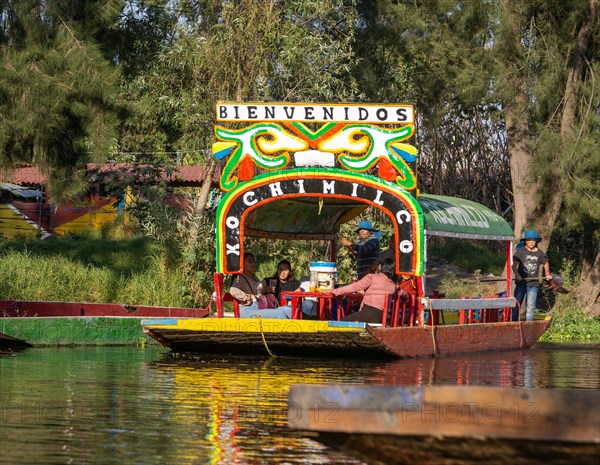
(493, 280)
(555, 284)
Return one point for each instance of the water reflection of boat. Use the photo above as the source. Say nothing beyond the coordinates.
(242, 400)
(504, 369)
(450, 424)
(239, 404)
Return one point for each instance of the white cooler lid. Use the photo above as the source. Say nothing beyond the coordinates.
(323, 266)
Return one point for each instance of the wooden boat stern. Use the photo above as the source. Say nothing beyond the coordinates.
(443, 340)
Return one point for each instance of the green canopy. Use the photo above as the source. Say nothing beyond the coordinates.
(302, 217)
(454, 217)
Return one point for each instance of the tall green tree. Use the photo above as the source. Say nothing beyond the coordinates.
(145, 29)
(548, 56)
(438, 55)
(57, 105)
(525, 72)
(253, 50)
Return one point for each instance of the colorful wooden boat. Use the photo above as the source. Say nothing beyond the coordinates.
(300, 171)
(24, 324)
(338, 339)
(450, 424)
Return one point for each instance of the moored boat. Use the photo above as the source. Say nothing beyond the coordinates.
(300, 171)
(37, 323)
(450, 424)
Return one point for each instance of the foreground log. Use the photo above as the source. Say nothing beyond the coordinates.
(450, 424)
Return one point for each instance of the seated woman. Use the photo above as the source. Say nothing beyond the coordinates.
(376, 286)
(247, 289)
(284, 280)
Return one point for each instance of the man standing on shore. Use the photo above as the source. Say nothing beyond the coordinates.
(527, 261)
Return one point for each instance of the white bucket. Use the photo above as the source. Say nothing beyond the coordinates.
(325, 273)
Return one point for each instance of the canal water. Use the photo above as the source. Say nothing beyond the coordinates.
(128, 405)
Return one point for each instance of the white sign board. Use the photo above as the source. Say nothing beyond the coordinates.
(315, 113)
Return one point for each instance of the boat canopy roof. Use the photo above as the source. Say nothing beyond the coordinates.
(21, 191)
(309, 203)
(318, 217)
(455, 217)
(302, 217)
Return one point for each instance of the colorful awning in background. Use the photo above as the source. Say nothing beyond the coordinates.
(21, 192)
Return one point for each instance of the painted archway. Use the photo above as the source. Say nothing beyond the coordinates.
(239, 208)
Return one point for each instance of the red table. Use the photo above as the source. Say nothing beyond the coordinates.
(324, 302)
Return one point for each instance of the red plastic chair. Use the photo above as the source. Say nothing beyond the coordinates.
(221, 296)
(399, 311)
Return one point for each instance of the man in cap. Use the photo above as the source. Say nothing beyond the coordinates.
(527, 261)
(366, 248)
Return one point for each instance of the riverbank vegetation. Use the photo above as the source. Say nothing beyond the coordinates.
(97, 267)
(87, 269)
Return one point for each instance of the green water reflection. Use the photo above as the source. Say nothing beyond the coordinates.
(131, 405)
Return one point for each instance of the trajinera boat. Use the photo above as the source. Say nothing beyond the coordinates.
(300, 171)
(39, 323)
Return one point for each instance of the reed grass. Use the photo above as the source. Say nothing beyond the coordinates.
(95, 270)
(569, 322)
(471, 256)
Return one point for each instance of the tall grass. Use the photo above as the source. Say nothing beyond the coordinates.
(95, 270)
(471, 256)
(122, 256)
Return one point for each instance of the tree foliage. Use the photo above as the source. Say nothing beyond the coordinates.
(505, 91)
(57, 106)
(548, 83)
(252, 50)
(438, 55)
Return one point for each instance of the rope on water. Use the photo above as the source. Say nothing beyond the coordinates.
(263, 338)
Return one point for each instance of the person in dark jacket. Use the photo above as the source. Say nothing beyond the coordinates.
(248, 290)
(366, 249)
(282, 280)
